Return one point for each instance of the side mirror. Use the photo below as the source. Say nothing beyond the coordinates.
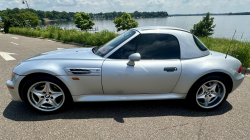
(132, 58)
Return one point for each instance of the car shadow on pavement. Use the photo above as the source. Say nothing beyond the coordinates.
(19, 111)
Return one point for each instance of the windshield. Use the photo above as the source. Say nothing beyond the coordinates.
(114, 43)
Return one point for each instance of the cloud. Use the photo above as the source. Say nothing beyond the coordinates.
(95, 6)
(185, 1)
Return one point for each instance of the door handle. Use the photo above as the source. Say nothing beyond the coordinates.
(170, 69)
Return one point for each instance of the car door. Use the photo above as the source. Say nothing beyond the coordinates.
(158, 70)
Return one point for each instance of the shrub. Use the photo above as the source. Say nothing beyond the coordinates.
(1, 24)
(26, 19)
(205, 27)
(83, 21)
(125, 22)
(72, 35)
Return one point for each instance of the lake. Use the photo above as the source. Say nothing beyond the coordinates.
(225, 25)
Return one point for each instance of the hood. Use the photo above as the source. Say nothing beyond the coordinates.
(79, 53)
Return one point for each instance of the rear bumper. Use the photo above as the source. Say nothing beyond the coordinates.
(237, 81)
(13, 87)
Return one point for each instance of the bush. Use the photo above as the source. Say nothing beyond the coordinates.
(21, 20)
(204, 28)
(1, 24)
(125, 22)
(83, 21)
(72, 35)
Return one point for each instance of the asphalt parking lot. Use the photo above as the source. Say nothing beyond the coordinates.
(168, 119)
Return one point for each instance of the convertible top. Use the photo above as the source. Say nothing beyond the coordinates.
(188, 46)
(158, 28)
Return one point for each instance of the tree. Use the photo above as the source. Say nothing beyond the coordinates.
(125, 22)
(14, 20)
(205, 27)
(49, 15)
(32, 19)
(21, 20)
(83, 21)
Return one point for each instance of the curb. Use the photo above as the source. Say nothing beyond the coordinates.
(246, 71)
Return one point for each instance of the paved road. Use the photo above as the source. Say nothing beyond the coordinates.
(115, 120)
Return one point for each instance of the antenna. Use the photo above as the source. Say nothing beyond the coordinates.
(230, 44)
(235, 45)
(241, 36)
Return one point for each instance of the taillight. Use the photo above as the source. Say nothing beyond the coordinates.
(240, 68)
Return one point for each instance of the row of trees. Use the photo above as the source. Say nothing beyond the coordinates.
(241, 13)
(136, 14)
(40, 14)
(70, 15)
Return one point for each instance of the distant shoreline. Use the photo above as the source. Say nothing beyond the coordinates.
(212, 14)
(46, 19)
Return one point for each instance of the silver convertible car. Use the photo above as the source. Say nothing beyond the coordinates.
(144, 63)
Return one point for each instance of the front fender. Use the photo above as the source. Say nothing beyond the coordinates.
(54, 67)
(39, 66)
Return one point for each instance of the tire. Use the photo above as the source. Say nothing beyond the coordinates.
(208, 93)
(46, 94)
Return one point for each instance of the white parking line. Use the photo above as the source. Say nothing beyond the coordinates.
(14, 37)
(7, 56)
(14, 43)
(60, 48)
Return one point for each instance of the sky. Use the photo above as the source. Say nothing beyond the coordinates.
(96, 6)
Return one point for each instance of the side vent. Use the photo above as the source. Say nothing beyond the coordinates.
(79, 71)
(83, 71)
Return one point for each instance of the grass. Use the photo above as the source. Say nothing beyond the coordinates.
(1, 24)
(240, 51)
(72, 35)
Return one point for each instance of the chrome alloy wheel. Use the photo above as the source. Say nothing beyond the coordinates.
(210, 94)
(46, 96)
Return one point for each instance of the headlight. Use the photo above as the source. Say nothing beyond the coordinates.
(13, 75)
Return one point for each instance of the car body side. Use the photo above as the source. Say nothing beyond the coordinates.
(194, 65)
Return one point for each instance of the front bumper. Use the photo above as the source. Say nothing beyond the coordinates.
(13, 87)
(237, 81)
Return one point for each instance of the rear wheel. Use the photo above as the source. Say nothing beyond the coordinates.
(45, 94)
(209, 92)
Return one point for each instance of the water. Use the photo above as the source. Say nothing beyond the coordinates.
(225, 25)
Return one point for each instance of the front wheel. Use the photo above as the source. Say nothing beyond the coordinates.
(209, 92)
(46, 94)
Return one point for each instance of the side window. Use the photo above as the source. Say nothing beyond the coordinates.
(200, 45)
(126, 50)
(158, 46)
